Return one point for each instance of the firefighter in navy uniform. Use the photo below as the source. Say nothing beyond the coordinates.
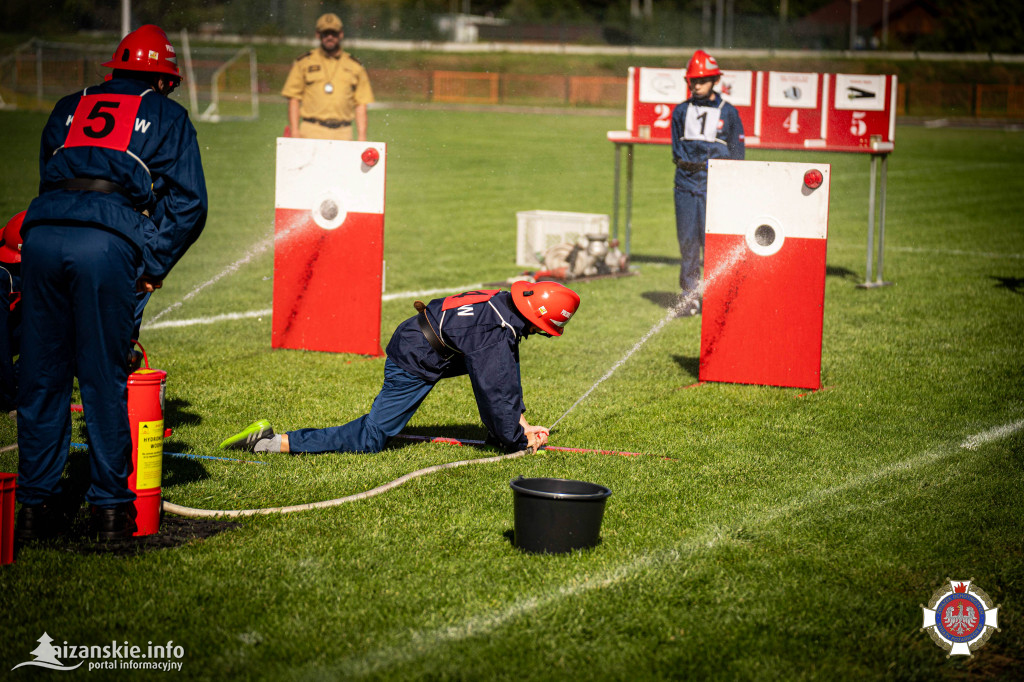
(121, 198)
(328, 89)
(703, 127)
(475, 333)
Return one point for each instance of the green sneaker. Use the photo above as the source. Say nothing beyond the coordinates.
(247, 439)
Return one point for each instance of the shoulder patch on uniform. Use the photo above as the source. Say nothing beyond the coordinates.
(303, 56)
(468, 298)
(353, 58)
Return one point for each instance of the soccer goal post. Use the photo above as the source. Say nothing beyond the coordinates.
(222, 83)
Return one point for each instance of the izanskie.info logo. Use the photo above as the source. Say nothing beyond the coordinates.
(113, 656)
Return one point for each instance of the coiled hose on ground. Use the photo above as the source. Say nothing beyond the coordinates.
(190, 512)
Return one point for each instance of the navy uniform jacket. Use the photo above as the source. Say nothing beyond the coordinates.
(487, 336)
(151, 152)
(704, 129)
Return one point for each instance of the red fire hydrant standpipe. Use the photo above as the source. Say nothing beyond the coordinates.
(146, 388)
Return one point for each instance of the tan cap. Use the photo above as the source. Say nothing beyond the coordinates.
(328, 22)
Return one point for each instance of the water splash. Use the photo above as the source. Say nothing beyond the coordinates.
(684, 302)
(257, 250)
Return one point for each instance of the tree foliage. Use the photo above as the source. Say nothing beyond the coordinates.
(976, 26)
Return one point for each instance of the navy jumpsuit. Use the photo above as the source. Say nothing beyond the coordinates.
(121, 196)
(702, 129)
(484, 330)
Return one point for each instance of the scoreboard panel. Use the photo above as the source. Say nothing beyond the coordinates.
(792, 116)
(779, 110)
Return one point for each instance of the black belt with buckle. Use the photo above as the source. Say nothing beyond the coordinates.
(328, 123)
(89, 185)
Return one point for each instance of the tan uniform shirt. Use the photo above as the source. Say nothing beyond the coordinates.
(329, 88)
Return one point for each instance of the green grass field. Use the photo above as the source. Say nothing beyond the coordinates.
(765, 534)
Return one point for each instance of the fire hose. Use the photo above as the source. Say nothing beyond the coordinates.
(191, 512)
(233, 513)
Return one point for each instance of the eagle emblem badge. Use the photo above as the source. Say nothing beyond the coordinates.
(960, 618)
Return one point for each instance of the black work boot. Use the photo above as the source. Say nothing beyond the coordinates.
(38, 522)
(114, 523)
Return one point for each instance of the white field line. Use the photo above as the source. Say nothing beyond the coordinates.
(267, 312)
(424, 641)
(264, 245)
(993, 434)
(252, 253)
(429, 292)
(212, 319)
(927, 251)
(954, 252)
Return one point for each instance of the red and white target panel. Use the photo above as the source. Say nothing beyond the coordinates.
(329, 245)
(764, 273)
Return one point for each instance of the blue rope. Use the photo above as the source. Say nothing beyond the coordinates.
(188, 456)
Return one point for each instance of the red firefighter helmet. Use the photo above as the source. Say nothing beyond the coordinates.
(702, 65)
(147, 48)
(10, 240)
(548, 305)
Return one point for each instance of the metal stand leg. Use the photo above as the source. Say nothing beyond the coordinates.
(871, 219)
(629, 197)
(615, 200)
(881, 222)
(873, 190)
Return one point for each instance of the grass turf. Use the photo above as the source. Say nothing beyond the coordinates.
(786, 535)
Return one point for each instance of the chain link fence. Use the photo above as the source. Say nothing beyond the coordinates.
(226, 83)
(220, 83)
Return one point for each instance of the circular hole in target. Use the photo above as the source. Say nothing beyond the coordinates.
(329, 211)
(765, 236)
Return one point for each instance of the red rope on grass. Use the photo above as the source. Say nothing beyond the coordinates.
(456, 441)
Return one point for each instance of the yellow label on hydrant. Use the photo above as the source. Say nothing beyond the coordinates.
(151, 455)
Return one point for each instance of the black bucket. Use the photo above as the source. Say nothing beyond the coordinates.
(556, 515)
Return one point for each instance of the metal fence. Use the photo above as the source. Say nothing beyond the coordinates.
(467, 87)
(37, 73)
(222, 83)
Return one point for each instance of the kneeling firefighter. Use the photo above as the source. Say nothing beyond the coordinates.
(475, 333)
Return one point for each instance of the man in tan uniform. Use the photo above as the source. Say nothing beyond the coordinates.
(327, 88)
